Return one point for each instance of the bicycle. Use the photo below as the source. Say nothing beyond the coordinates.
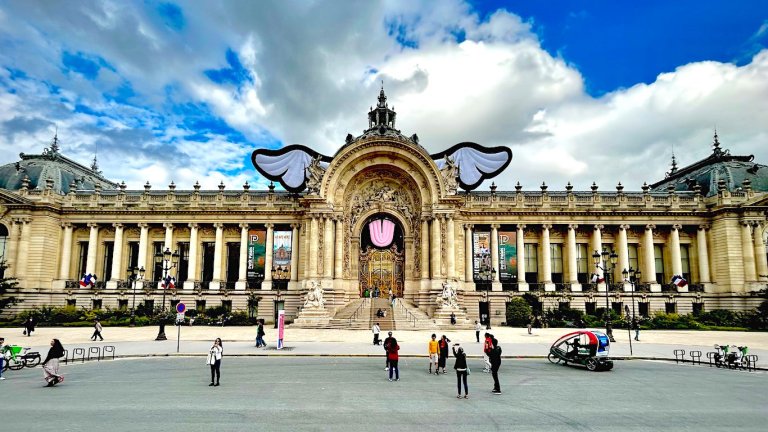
(17, 358)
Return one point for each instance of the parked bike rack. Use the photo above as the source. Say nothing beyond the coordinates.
(79, 352)
(65, 356)
(679, 354)
(711, 358)
(751, 361)
(695, 357)
(94, 350)
(109, 349)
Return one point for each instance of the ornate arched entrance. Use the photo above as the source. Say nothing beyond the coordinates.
(382, 257)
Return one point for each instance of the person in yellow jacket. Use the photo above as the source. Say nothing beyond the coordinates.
(433, 353)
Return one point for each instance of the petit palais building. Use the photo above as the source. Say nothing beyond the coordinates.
(384, 217)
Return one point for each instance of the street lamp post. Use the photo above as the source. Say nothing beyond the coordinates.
(169, 261)
(607, 268)
(632, 276)
(135, 274)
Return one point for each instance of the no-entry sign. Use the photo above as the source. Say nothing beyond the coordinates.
(180, 308)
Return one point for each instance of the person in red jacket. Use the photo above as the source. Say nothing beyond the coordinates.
(392, 356)
(487, 347)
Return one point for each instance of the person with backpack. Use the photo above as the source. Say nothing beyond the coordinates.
(260, 334)
(97, 328)
(393, 357)
(487, 347)
(495, 358)
(387, 342)
(461, 370)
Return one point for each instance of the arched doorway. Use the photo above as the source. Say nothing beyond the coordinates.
(382, 257)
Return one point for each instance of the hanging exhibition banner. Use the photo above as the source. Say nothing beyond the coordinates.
(481, 255)
(281, 252)
(257, 251)
(507, 255)
(280, 328)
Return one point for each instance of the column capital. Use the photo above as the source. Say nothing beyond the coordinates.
(193, 225)
(469, 226)
(269, 225)
(218, 226)
(244, 225)
(92, 225)
(599, 227)
(21, 220)
(704, 227)
(142, 225)
(573, 227)
(168, 225)
(426, 219)
(66, 225)
(624, 227)
(118, 225)
(295, 225)
(650, 227)
(546, 227)
(746, 223)
(677, 227)
(520, 227)
(495, 226)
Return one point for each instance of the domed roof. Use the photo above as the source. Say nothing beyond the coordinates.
(720, 167)
(33, 171)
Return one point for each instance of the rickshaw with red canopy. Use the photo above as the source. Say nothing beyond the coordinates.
(588, 348)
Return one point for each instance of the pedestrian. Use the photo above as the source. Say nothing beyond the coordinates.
(214, 360)
(51, 364)
(636, 328)
(432, 351)
(478, 328)
(387, 342)
(260, 334)
(462, 371)
(495, 357)
(392, 299)
(487, 347)
(453, 318)
(393, 358)
(97, 328)
(29, 326)
(2, 357)
(443, 354)
(530, 324)
(376, 330)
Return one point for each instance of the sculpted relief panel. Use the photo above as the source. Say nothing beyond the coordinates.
(384, 190)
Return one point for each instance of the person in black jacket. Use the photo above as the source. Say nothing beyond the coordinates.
(495, 358)
(461, 370)
(51, 364)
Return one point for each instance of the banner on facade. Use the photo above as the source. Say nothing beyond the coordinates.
(281, 251)
(481, 255)
(507, 255)
(257, 251)
(280, 328)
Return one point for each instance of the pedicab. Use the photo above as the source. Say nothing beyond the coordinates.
(588, 348)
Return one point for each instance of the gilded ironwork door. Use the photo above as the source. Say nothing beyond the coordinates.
(382, 269)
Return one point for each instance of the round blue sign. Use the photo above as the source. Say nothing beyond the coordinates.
(180, 308)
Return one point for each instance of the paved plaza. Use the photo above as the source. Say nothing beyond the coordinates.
(344, 393)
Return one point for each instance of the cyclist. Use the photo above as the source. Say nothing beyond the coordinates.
(2, 356)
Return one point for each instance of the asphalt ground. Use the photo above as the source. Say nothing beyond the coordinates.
(345, 393)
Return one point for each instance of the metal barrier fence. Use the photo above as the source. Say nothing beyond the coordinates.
(92, 353)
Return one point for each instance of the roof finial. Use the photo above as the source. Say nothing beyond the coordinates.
(95, 165)
(716, 144)
(673, 167)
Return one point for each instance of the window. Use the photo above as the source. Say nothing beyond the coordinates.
(227, 305)
(122, 305)
(670, 308)
(583, 258)
(564, 306)
(659, 261)
(209, 251)
(109, 249)
(157, 267)
(233, 261)
(643, 308)
(590, 308)
(531, 263)
(556, 259)
(698, 308)
(149, 305)
(182, 274)
(174, 303)
(96, 304)
(634, 263)
(83, 259)
(200, 306)
(3, 242)
(617, 307)
(72, 302)
(133, 254)
(686, 262)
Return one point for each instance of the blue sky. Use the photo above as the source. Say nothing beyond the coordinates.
(185, 91)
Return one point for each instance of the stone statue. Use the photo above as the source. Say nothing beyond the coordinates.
(450, 171)
(314, 296)
(448, 298)
(314, 173)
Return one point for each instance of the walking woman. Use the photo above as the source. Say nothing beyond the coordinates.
(393, 357)
(51, 364)
(461, 370)
(443, 352)
(214, 360)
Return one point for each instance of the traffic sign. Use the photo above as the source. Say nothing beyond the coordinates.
(179, 317)
(180, 308)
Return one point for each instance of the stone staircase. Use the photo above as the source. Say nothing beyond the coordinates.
(356, 315)
(386, 323)
(409, 317)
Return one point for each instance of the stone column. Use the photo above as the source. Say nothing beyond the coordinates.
(338, 254)
(649, 272)
(242, 271)
(546, 256)
(143, 240)
(23, 251)
(425, 248)
(701, 247)
(450, 247)
(312, 249)
(597, 245)
(117, 254)
(269, 246)
(521, 283)
(760, 257)
(573, 270)
(748, 252)
(468, 253)
(93, 247)
(436, 249)
(623, 251)
(328, 248)
(295, 252)
(674, 250)
(218, 252)
(495, 252)
(168, 244)
(66, 251)
(12, 252)
(193, 245)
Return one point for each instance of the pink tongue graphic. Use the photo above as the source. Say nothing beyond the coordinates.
(381, 231)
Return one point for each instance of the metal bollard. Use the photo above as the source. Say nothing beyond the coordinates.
(78, 352)
(109, 349)
(94, 350)
(695, 357)
(679, 354)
